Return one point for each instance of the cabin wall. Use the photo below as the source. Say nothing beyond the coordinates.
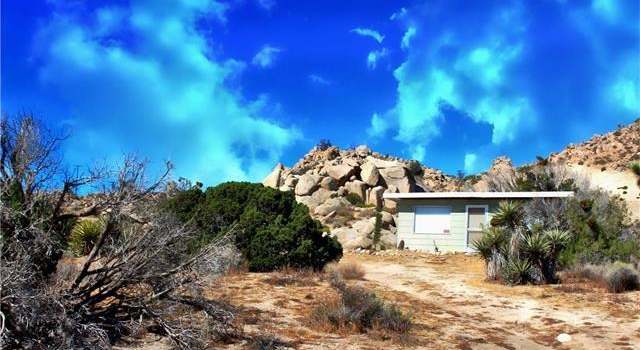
(455, 240)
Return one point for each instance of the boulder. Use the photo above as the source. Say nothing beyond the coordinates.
(389, 205)
(291, 181)
(363, 151)
(388, 239)
(398, 177)
(381, 163)
(273, 179)
(340, 172)
(337, 204)
(364, 227)
(387, 219)
(328, 183)
(374, 196)
(357, 187)
(351, 239)
(285, 188)
(369, 173)
(306, 184)
(321, 195)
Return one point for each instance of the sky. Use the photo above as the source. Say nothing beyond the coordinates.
(226, 89)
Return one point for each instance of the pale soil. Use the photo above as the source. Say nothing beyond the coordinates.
(450, 303)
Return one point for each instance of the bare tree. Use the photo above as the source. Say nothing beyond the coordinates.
(140, 273)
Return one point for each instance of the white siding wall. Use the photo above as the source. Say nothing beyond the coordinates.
(455, 240)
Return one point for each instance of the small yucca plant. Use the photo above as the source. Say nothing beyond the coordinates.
(517, 271)
(635, 167)
(84, 235)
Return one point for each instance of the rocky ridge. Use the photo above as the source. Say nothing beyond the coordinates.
(344, 190)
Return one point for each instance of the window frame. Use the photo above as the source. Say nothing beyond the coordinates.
(415, 216)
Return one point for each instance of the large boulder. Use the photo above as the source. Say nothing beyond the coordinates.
(351, 239)
(357, 187)
(374, 196)
(328, 183)
(388, 239)
(369, 173)
(398, 177)
(340, 172)
(363, 151)
(337, 204)
(387, 219)
(273, 179)
(291, 181)
(364, 227)
(381, 163)
(314, 200)
(307, 183)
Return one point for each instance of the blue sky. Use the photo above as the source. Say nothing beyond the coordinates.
(225, 89)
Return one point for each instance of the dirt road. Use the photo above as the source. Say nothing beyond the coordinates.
(476, 318)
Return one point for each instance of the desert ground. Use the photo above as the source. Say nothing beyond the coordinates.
(451, 304)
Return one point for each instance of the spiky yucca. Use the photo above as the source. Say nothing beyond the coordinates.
(509, 214)
(84, 235)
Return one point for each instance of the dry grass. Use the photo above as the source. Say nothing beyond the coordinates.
(291, 276)
(349, 270)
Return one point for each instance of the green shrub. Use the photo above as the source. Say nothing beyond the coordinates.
(621, 279)
(354, 199)
(84, 235)
(377, 229)
(635, 167)
(271, 229)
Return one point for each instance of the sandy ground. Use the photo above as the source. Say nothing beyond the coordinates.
(451, 305)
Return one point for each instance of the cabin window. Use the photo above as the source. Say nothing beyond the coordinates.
(435, 220)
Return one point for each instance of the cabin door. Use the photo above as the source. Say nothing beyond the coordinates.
(476, 221)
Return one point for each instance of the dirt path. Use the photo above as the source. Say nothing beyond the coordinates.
(476, 318)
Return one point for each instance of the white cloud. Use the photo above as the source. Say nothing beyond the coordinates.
(378, 127)
(374, 56)
(470, 163)
(266, 56)
(267, 4)
(401, 13)
(406, 38)
(318, 79)
(168, 98)
(375, 35)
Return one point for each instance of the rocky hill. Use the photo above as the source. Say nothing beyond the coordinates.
(612, 151)
(343, 190)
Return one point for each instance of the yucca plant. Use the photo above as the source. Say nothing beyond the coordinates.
(517, 271)
(509, 214)
(491, 248)
(635, 167)
(84, 235)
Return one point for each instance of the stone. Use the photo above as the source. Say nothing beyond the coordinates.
(285, 188)
(357, 187)
(341, 191)
(388, 239)
(387, 219)
(397, 176)
(381, 163)
(321, 195)
(363, 151)
(340, 172)
(291, 181)
(351, 239)
(337, 204)
(369, 173)
(328, 183)
(563, 337)
(374, 196)
(273, 179)
(364, 227)
(307, 184)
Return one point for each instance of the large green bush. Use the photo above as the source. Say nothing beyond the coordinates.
(272, 230)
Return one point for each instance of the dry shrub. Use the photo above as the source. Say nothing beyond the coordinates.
(288, 276)
(347, 270)
(268, 342)
(356, 308)
(616, 278)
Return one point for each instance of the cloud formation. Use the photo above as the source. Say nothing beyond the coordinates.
(266, 56)
(491, 68)
(375, 35)
(374, 56)
(318, 79)
(146, 70)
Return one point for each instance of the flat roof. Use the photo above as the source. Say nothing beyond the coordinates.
(445, 195)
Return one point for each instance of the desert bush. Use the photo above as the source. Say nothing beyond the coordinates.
(268, 342)
(84, 235)
(274, 230)
(354, 199)
(360, 309)
(293, 276)
(622, 278)
(635, 167)
(347, 270)
(517, 271)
